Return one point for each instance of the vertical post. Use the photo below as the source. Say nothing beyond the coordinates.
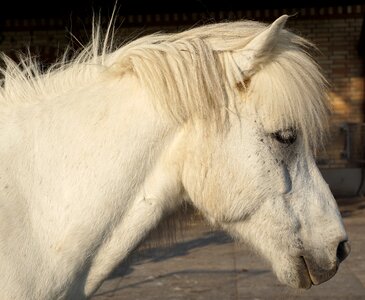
(346, 153)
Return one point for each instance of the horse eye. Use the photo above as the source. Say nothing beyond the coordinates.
(285, 136)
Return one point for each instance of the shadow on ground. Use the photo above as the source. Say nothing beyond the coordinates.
(158, 254)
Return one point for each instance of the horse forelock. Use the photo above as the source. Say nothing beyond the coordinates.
(190, 75)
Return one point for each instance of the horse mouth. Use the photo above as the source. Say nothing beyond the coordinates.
(315, 274)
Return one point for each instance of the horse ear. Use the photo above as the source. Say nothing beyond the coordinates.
(254, 53)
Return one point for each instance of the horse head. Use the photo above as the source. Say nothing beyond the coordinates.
(259, 179)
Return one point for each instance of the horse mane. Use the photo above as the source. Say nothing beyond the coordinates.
(190, 75)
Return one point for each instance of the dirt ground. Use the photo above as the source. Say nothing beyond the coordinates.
(206, 264)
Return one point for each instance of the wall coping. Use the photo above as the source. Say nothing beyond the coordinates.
(188, 18)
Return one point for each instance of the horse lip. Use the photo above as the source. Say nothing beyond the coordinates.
(308, 272)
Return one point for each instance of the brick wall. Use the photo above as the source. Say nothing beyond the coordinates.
(335, 30)
(338, 39)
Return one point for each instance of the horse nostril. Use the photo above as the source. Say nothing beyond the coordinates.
(343, 250)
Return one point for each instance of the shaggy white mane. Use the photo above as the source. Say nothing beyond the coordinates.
(190, 75)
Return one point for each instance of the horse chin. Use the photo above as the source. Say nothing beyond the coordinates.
(296, 275)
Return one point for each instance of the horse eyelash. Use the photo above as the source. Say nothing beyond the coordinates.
(289, 140)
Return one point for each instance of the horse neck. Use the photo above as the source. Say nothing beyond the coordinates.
(84, 167)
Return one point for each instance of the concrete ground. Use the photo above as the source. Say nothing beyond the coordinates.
(206, 264)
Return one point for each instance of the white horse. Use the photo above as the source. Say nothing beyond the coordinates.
(94, 153)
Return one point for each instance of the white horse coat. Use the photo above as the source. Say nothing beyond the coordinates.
(93, 154)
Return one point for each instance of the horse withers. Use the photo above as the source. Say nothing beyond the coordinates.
(96, 151)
